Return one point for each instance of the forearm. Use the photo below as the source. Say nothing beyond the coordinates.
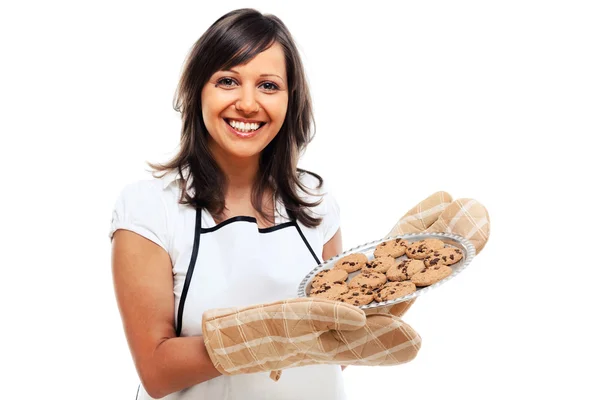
(178, 363)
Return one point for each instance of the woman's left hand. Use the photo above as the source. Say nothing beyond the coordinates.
(438, 213)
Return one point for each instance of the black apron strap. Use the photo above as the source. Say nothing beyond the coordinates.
(190, 271)
(306, 242)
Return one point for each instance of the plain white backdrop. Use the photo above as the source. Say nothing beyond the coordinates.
(497, 101)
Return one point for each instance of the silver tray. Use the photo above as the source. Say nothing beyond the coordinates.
(368, 248)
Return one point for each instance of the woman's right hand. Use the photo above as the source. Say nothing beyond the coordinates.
(304, 331)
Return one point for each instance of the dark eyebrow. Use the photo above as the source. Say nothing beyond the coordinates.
(235, 72)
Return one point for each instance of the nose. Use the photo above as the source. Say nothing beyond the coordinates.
(247, 102)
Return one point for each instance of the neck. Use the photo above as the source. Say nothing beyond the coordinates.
(240, 173)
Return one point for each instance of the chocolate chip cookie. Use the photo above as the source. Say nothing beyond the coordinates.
(446, 256)
(357, 296)
(421, 249)
(330, 292)
(351, 262)
(405, 269)
(330, 276)
(394, 290)
(369, 280)
(381, 264)
(431, 275)
(392, 248)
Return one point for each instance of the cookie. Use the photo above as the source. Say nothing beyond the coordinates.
(405, 270)
(357, 296)
(369, 280)
(381, 265)
(392, 248)
(431, 275)
(447, 256)
(421, 249)
(330, 276)
(351, 262)
(330, 292)
(394, 290)
(434, 244)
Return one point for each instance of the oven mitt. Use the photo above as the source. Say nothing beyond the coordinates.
(467, 218)
(438, 213)
(304, 331)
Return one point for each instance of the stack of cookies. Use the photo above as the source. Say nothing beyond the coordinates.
(398, 267)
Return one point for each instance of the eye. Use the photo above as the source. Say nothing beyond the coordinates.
(270, 86)
(226, 82)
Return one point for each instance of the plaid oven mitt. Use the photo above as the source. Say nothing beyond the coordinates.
(304, 331)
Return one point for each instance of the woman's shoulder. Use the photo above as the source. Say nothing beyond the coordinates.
(147, 207)
(156, 191)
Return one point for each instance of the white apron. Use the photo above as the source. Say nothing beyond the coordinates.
(235, 263)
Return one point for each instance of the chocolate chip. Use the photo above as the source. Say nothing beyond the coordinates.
(452, 257)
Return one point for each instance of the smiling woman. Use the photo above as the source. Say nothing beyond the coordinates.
(231, 221)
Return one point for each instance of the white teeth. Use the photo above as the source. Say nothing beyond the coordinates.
(244, 127)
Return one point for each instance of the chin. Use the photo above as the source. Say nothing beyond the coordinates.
(245, 150)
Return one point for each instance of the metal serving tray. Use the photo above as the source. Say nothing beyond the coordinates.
(450, 240)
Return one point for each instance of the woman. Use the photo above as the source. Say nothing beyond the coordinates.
(230, 222)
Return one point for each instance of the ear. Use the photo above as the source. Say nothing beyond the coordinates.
(421, 216)
(467, 218)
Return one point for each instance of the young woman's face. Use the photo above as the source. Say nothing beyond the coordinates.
(238, 101)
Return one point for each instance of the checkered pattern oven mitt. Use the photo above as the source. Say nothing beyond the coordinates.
(438, 213)
(304, 331)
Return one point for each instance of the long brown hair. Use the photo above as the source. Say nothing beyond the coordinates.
(235, 39)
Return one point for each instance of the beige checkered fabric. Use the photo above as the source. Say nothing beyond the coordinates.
(304, 331)
(467, 218)
(423, 215)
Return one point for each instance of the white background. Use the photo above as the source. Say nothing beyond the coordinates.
(497, 101)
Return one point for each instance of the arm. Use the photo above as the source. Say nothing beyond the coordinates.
(143, 282)
(332, 248)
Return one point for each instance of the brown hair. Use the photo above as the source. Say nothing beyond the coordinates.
(235, 39)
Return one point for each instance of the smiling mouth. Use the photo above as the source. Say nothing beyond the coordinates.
(243, 127)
